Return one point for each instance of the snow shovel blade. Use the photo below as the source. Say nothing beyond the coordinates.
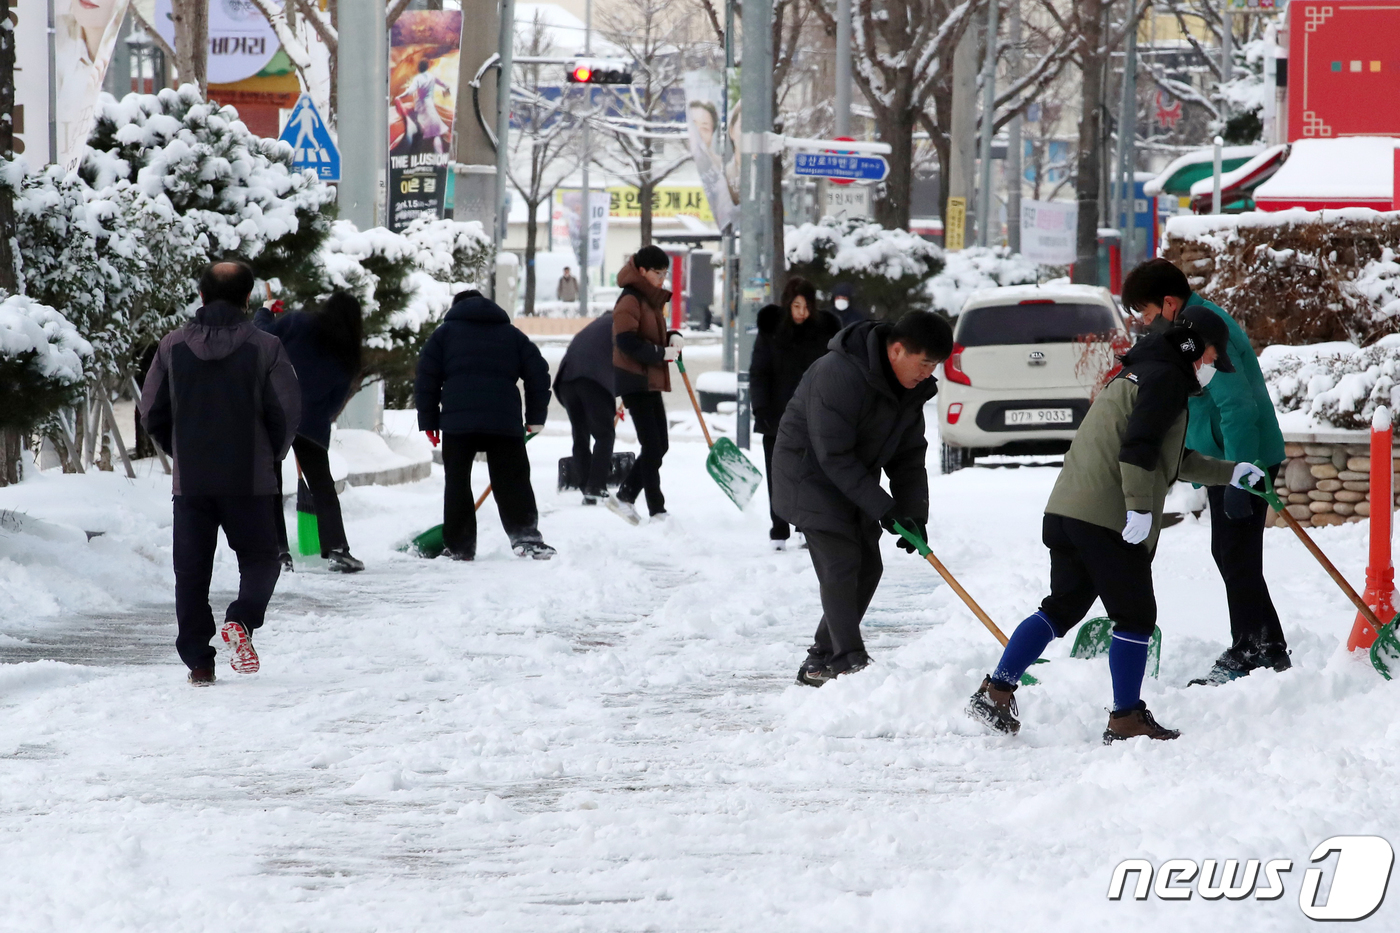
(1097, 634)
(1385, 650)
(428, 544)
(308, 535)
(733, 472)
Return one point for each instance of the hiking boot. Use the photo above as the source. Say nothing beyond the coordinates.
(339, 560)
(536, 549)
(202, 676)
(814, 672)
(995, 707)
(1232, 665)
(245, 658)
(1130, 723)
(285, 559)
(624, 510)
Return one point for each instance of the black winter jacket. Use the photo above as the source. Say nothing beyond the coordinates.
(325, 384)
(222, 399)
(590, 355)
(468, 370)
(781, 355)
(843, 426)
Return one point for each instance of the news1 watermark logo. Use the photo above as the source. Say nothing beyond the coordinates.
(1356, 884)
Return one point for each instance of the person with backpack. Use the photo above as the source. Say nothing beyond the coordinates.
(325, 348)
(792, 335)
(221, 398)
(467, 399)
(584, 384)
(642, 352)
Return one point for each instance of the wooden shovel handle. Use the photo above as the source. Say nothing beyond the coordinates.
(922, 546)
(681, 366)
(1332, 571)
(487, 491)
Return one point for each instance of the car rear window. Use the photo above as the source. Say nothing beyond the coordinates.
(1000, 325)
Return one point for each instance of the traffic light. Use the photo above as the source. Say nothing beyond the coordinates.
(599, 71)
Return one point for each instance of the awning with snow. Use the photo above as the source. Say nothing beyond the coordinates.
(1328, 174)
(1237, 186)
(1177, 178)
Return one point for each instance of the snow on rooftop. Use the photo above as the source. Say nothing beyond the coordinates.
(1331, 169)
(1238, 174)
(1196, 157)
(1195, 226)
(1064, 292)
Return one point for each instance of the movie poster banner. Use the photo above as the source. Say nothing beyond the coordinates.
(85, 35)
(423, 52)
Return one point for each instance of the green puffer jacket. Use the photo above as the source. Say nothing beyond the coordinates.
(1234, 417)
(1132, 444)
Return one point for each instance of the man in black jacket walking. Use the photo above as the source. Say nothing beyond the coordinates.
(467, 398)
(859, 410)
(584, 384)
(222, 399)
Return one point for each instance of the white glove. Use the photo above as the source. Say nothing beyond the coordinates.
(533, 428)
(1247, 475)
(677, 341)
(672, 354)
(1138, 527)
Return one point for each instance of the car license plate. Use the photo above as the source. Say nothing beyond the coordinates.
(1039, 416)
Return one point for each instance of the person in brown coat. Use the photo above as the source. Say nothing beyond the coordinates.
(642, 352)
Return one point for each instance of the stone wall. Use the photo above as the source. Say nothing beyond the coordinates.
(1327, 484)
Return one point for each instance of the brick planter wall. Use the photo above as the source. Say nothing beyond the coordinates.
(1327, 483)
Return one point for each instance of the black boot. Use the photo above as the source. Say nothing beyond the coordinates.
(995, 707)
(340, 560)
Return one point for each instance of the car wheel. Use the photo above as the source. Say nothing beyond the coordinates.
(956, 458)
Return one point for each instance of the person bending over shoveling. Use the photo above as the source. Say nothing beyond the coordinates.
(857, 411)
(1105, 512)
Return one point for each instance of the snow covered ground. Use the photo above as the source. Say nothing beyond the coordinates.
(612, 741)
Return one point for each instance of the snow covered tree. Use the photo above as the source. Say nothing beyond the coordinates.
(889, 268)
(41, 371)
(1232, 97)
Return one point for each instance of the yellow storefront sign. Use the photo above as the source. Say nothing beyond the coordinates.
(666, 201)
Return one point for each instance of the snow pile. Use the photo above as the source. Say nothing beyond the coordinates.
(975, 268)
(26, 327)
(887, 267)
(1336, 384)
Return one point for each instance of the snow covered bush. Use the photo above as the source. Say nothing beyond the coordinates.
(1339, 384)
(977, 267)
(41, 362)
(889, 268)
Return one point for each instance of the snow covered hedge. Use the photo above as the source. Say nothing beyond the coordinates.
(977, 267)
(888, 268)
(41, 362)
(1336, 383)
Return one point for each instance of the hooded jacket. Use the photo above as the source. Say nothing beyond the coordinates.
(221, 397)
(1131, 445)
(468, 370)
(325, 383)
(590, 355)
(845, 424)
(639, 335)
(781, 355)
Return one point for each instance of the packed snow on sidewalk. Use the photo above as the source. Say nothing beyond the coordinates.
(612, 740)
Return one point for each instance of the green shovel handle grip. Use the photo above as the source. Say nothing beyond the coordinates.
(919, 543)
(680, 364)
(1267, 493)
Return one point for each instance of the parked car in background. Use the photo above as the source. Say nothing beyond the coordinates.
(1027, 361)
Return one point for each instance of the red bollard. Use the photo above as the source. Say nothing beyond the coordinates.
(1380, 572)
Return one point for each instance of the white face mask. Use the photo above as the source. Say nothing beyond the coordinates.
(842, 304)
(1205, 373)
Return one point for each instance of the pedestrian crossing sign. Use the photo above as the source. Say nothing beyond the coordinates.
(312, 146)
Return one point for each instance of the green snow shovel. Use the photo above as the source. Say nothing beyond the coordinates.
(1385, 651)
(308, 530)
(922, 547)
(1097, 634)
(726, 464)
(429, 544)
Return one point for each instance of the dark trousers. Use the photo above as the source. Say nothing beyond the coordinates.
(315, 466)
(591, 411)
(1089, 561)
(251, 531)
(648, 414)
(780, 531)
(1238, 549)
(848, 569)
(509, 468)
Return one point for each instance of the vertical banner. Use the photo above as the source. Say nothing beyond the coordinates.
(568, 224)
(423, 51)
(703, 125)
(85, 35)
(955, 225)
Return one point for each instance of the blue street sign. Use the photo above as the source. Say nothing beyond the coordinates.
(837, 165)
(312, 146)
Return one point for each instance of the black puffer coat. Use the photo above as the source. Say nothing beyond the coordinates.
(843, 426)
(468, 370)
(781, 355)
(590, 355)
(325, 382)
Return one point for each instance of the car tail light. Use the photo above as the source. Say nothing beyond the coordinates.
(952, 367)
(1037, 301)
(954, 412)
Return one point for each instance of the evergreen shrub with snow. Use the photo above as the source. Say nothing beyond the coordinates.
(889, 268)
(41, 362)
(978, 267)
(1339, 384)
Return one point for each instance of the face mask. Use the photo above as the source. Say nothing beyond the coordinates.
(1159, 325)
(842, 304)
(1205, 374)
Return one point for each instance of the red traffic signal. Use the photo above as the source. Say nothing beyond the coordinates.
(582, 74)
(600, 71)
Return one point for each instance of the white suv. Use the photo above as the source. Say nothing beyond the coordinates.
(1027, 361)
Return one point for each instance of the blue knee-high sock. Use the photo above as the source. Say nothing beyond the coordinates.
(1127, 661)
(1024, 647)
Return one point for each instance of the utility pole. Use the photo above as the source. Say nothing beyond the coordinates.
(989, 113)
(755, 192)
(1014, 176)
(506, 48)
(843, 67)
(961, 155)
(730, 301)
(1127, 135)
(587, 220)
(362, 122)
(1227, 43)
(474, 194)
(7, 143)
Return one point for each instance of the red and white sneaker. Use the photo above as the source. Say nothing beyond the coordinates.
(245, 657)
